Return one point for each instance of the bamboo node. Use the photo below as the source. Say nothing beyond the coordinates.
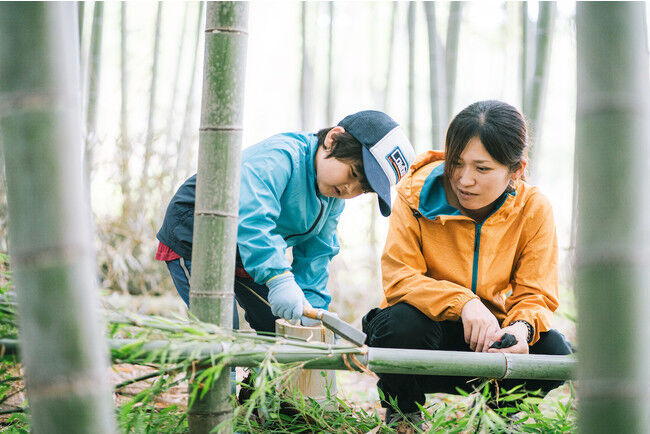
(227, 30)
(226, 214)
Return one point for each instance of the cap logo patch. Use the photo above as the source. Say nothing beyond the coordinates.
(397, 162)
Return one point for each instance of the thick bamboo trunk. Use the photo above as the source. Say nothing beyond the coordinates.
(378, 360)
(437, 80)
(612, 142)
(51, 246)
(217, 190)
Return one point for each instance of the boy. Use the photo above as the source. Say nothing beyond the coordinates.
(291, 195)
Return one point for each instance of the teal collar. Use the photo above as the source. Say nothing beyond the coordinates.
(433, 200)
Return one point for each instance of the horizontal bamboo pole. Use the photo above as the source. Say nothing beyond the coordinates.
(378, 360)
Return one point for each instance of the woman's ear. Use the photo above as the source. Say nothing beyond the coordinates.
(519, 172)
(329, 138)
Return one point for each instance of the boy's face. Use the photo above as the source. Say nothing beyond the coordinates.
(335, 178)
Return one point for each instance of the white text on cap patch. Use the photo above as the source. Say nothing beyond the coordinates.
(397, 162)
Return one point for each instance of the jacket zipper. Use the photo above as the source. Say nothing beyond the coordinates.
(320, 213)
(477, 245)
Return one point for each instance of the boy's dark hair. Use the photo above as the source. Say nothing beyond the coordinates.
(347, 149)
(500, 127)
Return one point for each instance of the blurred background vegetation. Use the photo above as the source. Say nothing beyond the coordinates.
(310, 64)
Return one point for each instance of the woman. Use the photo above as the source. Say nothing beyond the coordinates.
(471, 254)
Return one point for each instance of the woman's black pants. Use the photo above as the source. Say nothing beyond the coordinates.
(404, 326)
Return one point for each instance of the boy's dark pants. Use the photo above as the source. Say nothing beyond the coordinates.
(257, 313)
(404, 326)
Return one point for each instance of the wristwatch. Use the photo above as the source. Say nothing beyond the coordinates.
(531, 331)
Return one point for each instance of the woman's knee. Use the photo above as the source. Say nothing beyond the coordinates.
(398, 326)
(552, 342)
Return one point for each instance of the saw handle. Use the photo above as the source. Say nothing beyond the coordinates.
(312, 313)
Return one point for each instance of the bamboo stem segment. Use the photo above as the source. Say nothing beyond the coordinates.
(51, 243)
(217, 192)
(378, 360)
(612, 260)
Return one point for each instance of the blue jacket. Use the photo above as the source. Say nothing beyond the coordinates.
(279, 207)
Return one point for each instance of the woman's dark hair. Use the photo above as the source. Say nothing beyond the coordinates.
(500, 127)
(347, 149)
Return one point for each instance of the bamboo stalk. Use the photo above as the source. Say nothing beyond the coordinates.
(378, 360)
(94, 71)
(217, 190)
(124, 151)
(170, 117)
(185, 135)
(538, 81)
(51, 243)
(612, 142)
(330, 65)
(410, 24)
(305, 72)
(437, 80)
(148, 142)
(389, 57)
(451, 55)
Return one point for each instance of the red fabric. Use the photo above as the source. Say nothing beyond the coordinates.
(164, 253)
(240, 272)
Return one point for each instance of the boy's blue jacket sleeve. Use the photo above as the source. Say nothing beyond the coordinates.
(261, 247)
(311, 260)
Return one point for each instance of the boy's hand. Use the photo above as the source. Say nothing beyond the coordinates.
(286, 297)
(479, 325)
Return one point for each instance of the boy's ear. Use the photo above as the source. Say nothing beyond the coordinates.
(329, 138)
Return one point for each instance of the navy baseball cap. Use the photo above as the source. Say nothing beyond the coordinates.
(387, 152)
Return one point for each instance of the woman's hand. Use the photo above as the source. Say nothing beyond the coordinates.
(519, 331)
(479, 325)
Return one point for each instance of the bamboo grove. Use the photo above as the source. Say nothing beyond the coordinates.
(52, 320)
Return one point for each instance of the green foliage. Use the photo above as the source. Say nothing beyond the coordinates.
(271, 407)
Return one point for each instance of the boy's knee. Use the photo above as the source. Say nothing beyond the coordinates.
(553, 343)
(397, 326)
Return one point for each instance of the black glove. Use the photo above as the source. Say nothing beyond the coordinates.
(506, 341)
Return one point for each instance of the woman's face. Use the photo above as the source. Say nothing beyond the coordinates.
(478, 179)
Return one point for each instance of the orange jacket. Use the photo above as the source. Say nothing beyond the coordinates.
(436, 259)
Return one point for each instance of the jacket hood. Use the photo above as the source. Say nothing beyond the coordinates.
(423, 189)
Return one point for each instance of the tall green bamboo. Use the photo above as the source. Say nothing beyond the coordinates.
(524, 54)
(51, 245)
(537, 82)
(148, 142)
(391, 49)
(330, 65)
(451, 54)
(80, 18)
(125, 152)
(94, 72)
(437, 80)
(410, 24)
(177, 70)
(305, 72)
(217, 190)
(612, 141)
(186, 129)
